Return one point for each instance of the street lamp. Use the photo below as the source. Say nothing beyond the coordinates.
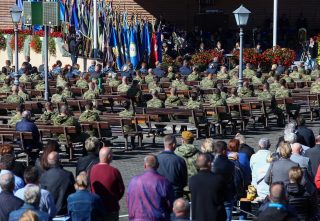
(16, 17)
(241, 15)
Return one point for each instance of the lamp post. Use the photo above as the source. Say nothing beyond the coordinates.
(16, 17)
(241, 15)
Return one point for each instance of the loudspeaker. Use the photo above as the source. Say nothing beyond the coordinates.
(32, 13)
(51, 14)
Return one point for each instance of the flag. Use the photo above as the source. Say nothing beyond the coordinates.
(154, 48)
(114, 46)
(145, 42)
(62, 10)
(133, 48)
(19, 4)
(74, 15)
(159, 46)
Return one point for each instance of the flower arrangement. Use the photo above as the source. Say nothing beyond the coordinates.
(250, 55)
(29, 32)
(215, 54)
(202, 58)
(36, 44)
(52, 47)
(3, 43)
(277, 54)
(20, 42)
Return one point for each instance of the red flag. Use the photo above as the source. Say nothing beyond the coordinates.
(154, 48)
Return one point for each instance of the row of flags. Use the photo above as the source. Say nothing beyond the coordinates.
(121, 38)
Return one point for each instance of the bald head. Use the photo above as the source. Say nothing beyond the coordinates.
(26, 115)
(151, 162)
(7, 181)
(53, 159)
(296, 148)
(277, 193)
(181, 207)
(203, 161)
(318, 137)
(105, 155)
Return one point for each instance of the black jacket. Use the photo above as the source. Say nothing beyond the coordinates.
(245, 148)
(208, 194)
(301, 202)
(8, 203)
(60, 183)
(314, 156)
(224, 167)
(308, 136)
(85, 163)
(276, 214)
(174, 168)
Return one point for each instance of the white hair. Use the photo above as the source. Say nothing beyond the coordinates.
(32, 195)
(264, 143)
(290, 138)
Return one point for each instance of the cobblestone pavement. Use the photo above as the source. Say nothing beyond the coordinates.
(131, 163)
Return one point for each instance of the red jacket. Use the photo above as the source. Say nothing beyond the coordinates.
(317, 178)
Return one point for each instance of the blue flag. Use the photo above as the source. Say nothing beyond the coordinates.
(159, 44)
(145, 41)
(74, 15)
(114, 45)
(133, 48)
(62, 10)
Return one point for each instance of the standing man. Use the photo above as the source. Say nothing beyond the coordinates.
(150, 195)
(208, 192)
(173, 167)
(58, 182)
(314, 155)
(313, 50)
(106, 181)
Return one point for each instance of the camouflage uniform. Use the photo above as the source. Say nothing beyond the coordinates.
(40, 86)
(127, 113)
(15, 119)
(301, 70)
(282, 93)
(123, 88)
(24, 78)
(288, 79)
(256, 80)
(155, 103)
(153, 86)
(14, 99)
(193, 77)
(245, 92)
(114, 83)
(2, 77)
(315, 74)
(173, 101)
(60, 120)
(148, 78)
(248, 73)
(170, 75)
(295, 75)
(137, 78)
(234, 100)
(57, 98)
(66, 93)
(24, 95)
(5, 89)
(216, 100)
(206, 84)
(306, 78)
(189, 153)
(48, 116)
(89, 95)
(265, 96)
(274, 86)
(89, 116)
(180, 85)
(82, 83)
(315, 88)
(233, 82)
(222, 75)
(61, 82)
(35, 77)
(194, 105)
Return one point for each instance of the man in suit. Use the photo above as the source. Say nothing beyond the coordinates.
(314, 155)
(208, 192)
(8, 202)
(305, 132)
(59, 182)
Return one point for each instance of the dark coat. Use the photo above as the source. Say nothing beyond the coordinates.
(308, 136)
(85, 163)
(27, 126)
(276, 214)
(208, 194)
(245, 148)
(8, 203)
(224, 167)
(314, 156)
(174, 168)
(60, 183)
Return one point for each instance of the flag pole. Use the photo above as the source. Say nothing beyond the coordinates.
(275, 21)
(95, 40)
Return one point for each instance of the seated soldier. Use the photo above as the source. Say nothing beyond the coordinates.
(271, 76)
(207, 82)
(194, 104)
(234, 81)
(90, 93)
(282, 91)
(257, 79)
(40, 86)
(135, 93)
(216, 99)
(127, 113)
(67, 93)
(6, 86)
(315, 87)
(307, 75)
(49, 113)
(275, 85)
(170, 74)
(58, 97)
(245, 91)
(223, 73)
(23, 93)
(35, 76)
(195, 75)
(25, 77)
(287, 77)
(223, 91)
(295, 74)
(82, 83)
(234, 99)
(3, 74)
(173, 100)
(113, 81)
(139, 77)
(18, 116)
(123, 87)
(248, 72)
(89, 115)
(149, 78)
(14, 98)
(154, 85)
(179, 83)
(315, 74)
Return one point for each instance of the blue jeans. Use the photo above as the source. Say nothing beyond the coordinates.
(229, 207)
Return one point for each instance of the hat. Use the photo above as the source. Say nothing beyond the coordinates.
(187, 135)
